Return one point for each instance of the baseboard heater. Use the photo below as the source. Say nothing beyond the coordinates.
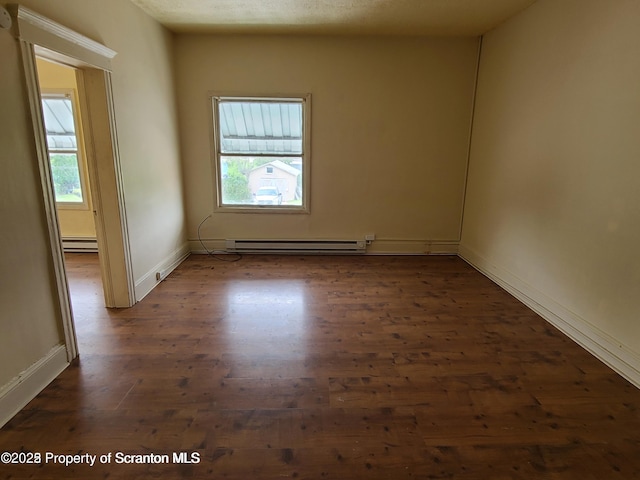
(296, 246)
(79, 244)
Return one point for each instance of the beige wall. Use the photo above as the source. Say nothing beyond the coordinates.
(553, 201)
(389, 132)
(143, 91)
(29, 315)
(74, 222)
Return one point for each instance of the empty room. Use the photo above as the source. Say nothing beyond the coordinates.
(344, 239)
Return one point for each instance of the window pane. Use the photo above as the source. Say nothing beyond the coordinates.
(261, 181)
(66, 177)
(59, 123)
(260, 127)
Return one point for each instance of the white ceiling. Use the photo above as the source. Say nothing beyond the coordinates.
(340, 17)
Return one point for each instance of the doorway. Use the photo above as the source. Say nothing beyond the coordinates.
(72, 188)
(67, 154)
(92, 62)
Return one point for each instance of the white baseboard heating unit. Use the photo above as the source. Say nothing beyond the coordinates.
(79, 244)
(296, 246)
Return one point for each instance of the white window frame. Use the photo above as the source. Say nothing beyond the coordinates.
(305, 101)
(70, 94)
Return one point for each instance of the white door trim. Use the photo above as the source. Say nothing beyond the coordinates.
(40, 30)
(37, 33)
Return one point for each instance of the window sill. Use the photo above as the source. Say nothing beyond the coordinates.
(262, 209)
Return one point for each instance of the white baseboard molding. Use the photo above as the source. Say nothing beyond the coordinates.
(16, 394)
(385, 246)
(377, 247)
(607, 349)
(79, 244)
(150, 279)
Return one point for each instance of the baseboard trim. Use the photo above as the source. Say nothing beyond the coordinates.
(607, 349)
(16, 394)
(377, 247)
(149, 281)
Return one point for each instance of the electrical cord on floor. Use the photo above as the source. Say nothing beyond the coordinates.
(217, 254)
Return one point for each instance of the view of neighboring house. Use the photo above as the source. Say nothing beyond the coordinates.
(287, 178)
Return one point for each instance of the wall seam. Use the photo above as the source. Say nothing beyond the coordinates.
(471, 124)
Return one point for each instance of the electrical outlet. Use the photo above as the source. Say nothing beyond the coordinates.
(370, 237)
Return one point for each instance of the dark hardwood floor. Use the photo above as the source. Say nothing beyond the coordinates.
(327, 368)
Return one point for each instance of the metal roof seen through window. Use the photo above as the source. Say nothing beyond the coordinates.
(260, 127)
(59, 123)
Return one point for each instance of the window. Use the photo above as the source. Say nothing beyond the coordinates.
(62, 143)
(262, 153)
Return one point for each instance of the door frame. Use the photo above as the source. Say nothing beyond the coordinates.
(40, 36)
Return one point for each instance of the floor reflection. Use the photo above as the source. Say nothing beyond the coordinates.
(266, 315)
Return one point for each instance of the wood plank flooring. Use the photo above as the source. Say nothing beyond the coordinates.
(327, 368)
